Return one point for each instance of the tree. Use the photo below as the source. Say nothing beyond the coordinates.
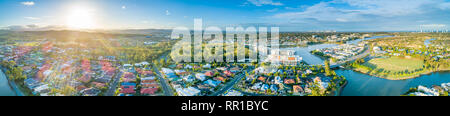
(327, 68)
(161, 62)
(253, 81)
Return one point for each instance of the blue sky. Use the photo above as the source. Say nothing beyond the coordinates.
(289, 15)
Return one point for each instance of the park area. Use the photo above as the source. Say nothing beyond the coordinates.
(394, 68)
(395, 64)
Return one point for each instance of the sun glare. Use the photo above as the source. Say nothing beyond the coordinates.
(80, 18)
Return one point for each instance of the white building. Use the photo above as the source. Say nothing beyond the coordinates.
(200, 76)
(188, 67)
(446, 86)
(42, 89)
(166, 70)
(188, 78)
(127, 65)
(190, 91)
(430, 92)
(286, 58)
(207, 66)
(233, 93)
(278, 80)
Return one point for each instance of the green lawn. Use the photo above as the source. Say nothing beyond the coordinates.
(395, 64)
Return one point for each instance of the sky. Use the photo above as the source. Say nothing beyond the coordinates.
(289, 15)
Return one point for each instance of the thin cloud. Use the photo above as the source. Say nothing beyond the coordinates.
(272, 10)
(167, 12)
(124, 7)
(264, 2)
(368, 15)
(32, 18)
(362, 10)
(27, 3)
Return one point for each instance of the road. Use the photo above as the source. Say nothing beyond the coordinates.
(230, 84)
(164, 84)
(112, 88)
(252, 94)
(337, 64)
(169, 92)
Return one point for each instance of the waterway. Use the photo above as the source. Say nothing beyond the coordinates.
(305, 52)
(5, 89)
(360, 84)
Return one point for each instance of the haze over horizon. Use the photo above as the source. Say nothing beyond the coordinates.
(289, 15)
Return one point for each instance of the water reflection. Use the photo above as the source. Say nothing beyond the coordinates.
(5, 89)
(365, 85)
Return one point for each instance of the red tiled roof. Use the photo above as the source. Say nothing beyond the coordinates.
(149, 90)
(289, 81)
(209, 73)
(297, 88)
(147, 72)
(228, 73)
(79, 88)
(127, 89)
(150, 85)
(85, 78)
(98, 85)
(219, 79)
(148, 81)
(261, 78)
(129, 75)
(128, 80)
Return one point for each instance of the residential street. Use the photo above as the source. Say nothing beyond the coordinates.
(164, 84)
(112, 88)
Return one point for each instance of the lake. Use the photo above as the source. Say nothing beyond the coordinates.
(360, 84)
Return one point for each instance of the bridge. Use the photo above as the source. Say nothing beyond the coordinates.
(362, 55)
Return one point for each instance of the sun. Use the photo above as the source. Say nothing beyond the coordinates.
(80, 18)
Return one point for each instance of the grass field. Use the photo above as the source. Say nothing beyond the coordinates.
(393, 68)
(395, 64)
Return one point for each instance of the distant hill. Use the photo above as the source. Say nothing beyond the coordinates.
(30, 28)
(138, 31)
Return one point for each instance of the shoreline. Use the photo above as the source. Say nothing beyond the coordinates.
(341, 88)
(12, 84)
(402, 78)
